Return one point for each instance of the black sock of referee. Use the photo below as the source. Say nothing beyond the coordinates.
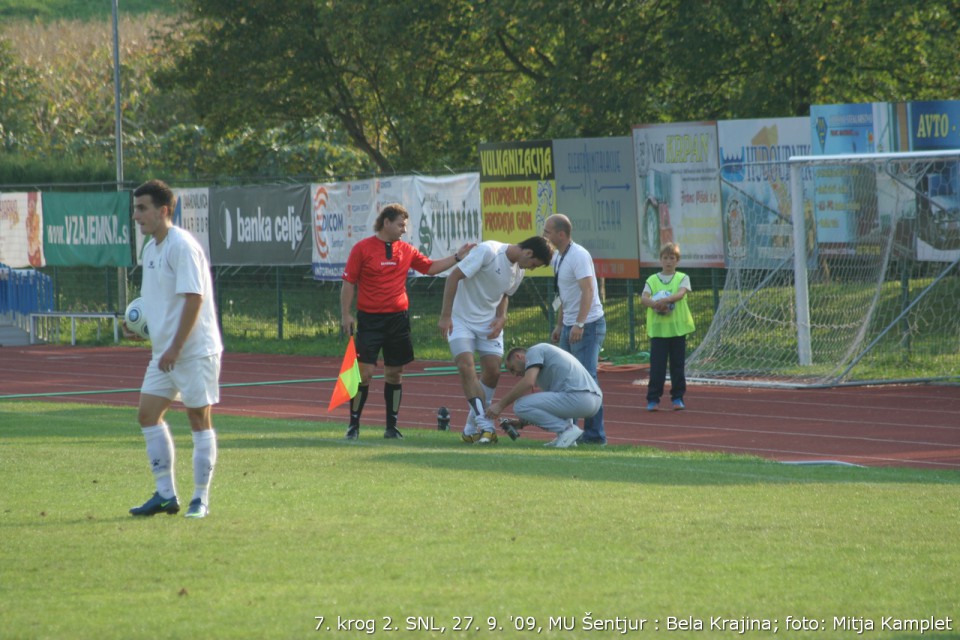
(356, 404)
(391, 397)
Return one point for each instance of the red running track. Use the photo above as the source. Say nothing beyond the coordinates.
(906, 425)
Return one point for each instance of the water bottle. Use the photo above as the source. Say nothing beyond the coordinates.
(507, 425)
(443, 419)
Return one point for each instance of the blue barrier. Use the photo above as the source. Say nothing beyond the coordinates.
(24, 291)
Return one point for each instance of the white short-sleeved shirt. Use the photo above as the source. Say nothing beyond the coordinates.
(571, 267)
(176, 267)
(489, 275)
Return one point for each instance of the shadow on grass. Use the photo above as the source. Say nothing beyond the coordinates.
(443, 452)
(655, 467)
(641, 465)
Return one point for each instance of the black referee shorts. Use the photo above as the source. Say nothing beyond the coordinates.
(387, 331)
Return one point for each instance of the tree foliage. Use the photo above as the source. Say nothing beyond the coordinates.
(420, 84)
(336, 88)
(406, 82)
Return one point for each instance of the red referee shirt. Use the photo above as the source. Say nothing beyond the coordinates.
(382, 282)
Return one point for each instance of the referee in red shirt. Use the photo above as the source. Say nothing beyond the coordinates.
(376, 275)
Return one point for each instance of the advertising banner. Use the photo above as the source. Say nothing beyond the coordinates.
(935, 126)
(445, 214)
(343, 213)
(87, 229)
(21, 235)
(595, 189)
(394, 189)
(755, 188)
(262, 226)
(678, 192)
(191, 212)
(333, 228)
(517, 191)
(443, 211)
(846, 204)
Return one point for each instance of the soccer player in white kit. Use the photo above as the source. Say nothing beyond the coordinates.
(177, 292)
(475, 300)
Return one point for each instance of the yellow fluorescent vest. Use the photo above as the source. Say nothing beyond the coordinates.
(678, 322)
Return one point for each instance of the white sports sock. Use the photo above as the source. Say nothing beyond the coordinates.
(204, 461)
(471, 427)
(488, 393)
(160, 453)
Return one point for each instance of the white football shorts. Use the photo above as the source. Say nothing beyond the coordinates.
(194, 382)
(464, 339)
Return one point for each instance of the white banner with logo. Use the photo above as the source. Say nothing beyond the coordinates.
(444, 214)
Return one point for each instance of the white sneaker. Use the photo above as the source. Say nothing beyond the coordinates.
(568, 438)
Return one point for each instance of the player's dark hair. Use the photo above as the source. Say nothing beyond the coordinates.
(541, 248)
(513, 352)
(390, 212)
(159, 192)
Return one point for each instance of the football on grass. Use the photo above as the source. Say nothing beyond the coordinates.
(135, 319)
(660, 295)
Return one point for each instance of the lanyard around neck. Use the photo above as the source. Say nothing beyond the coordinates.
(556, 271)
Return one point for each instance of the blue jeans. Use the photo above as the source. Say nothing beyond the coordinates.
(587, 352)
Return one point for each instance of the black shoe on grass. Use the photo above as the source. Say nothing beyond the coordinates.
(157, 504)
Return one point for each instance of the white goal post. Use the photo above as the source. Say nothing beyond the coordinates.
(854, 280)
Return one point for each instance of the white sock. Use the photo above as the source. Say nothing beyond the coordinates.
(160, 453)
(471, 427)
(488, 393)
(204, 460)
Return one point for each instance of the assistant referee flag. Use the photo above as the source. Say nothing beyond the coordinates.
(349, 380)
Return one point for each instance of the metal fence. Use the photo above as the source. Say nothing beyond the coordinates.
(284, 310)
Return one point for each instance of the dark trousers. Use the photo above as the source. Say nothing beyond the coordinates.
(663, 350)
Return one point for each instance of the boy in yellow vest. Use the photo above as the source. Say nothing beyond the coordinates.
(668, 322)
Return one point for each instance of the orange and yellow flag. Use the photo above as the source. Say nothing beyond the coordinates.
(349, 380)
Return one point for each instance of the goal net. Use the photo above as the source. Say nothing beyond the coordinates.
(864, 288)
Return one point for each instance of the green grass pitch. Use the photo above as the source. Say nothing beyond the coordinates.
(513, 540)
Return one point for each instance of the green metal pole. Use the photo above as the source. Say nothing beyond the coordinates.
(279, 307)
